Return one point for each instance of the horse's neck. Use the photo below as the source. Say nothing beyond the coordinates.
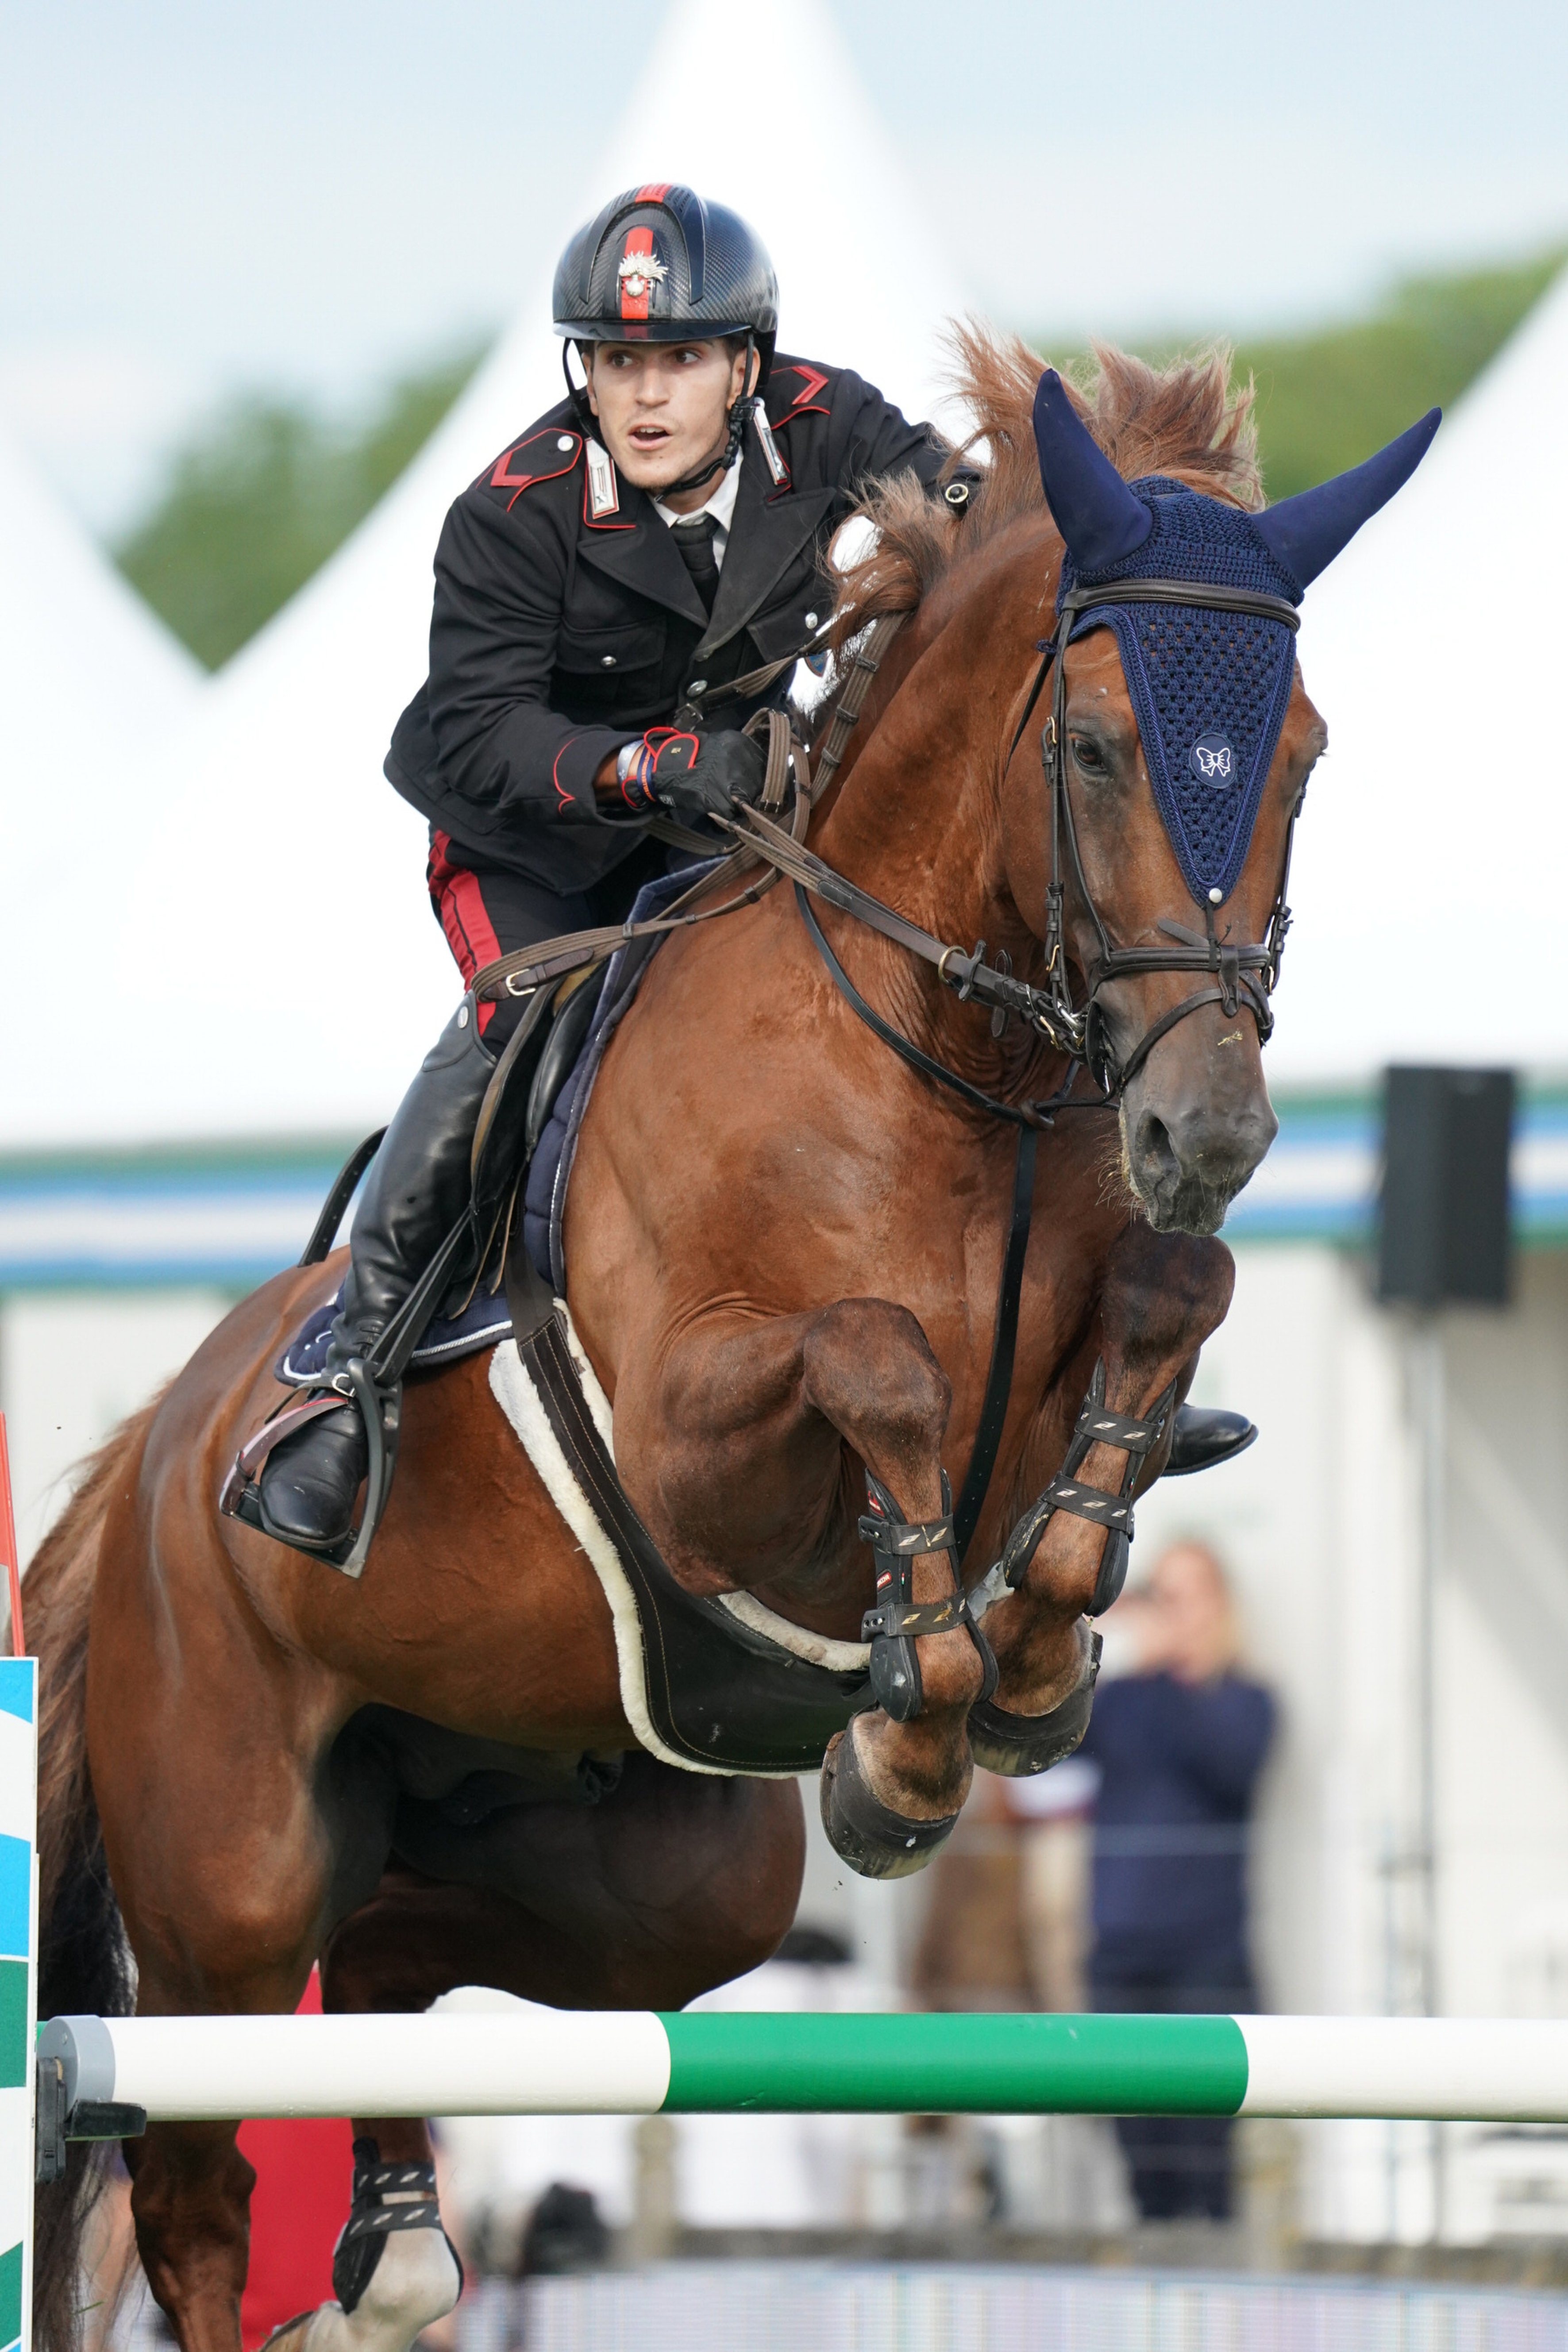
(918, 824)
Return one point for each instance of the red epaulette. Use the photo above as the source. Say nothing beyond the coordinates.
(808, 400)
(541, 458)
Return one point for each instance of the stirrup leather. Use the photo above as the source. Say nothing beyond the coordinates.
(374, 1391)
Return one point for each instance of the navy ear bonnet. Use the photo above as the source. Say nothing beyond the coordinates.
(1209, 690)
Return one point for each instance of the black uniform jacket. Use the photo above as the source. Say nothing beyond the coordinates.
(565, 621)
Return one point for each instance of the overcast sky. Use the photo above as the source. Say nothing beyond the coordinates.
(201, 194)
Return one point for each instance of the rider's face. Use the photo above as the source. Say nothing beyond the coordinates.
(662, 406)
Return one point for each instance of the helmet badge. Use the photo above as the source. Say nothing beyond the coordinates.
(640, 271)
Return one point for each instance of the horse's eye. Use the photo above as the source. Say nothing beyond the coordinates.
(1088, 756)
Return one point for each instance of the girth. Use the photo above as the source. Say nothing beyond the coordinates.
(722, 1694)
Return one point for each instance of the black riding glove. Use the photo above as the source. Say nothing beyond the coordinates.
(693, 775)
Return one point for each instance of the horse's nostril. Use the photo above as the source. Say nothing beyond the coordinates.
(1155, 1152)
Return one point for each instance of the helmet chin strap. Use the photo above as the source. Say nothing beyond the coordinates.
(720, 461)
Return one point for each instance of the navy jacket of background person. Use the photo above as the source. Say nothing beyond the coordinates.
(565, 621)
(1179, 1765)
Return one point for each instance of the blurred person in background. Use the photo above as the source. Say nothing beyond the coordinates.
(1055, 1813)
(1180, 1738)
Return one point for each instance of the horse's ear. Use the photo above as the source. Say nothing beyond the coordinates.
(1092, 506)
(1308, 532)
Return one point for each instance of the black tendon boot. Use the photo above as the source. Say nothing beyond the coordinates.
(416, 1190)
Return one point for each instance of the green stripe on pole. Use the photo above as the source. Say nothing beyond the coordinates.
(11, 2296)
(721, 2061)
(16, 2043)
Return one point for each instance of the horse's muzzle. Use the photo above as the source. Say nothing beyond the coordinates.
(1187, 1163)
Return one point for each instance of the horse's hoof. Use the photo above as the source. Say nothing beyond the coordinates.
(861, 1830)
(1019, 1745)
(414, 2282)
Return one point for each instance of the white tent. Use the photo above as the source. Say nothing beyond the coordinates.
(87, 670)
(89, 677)
(1430, 859)
(275, 963)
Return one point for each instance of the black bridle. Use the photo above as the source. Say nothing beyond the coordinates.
(1246, 973)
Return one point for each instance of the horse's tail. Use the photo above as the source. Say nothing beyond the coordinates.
(84, 1961)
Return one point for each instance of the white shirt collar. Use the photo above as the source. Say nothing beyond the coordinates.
(721, 506)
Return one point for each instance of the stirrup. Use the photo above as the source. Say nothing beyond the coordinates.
(381, 1410)
(376, 1393)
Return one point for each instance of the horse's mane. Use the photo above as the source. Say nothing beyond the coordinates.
(1182, 420)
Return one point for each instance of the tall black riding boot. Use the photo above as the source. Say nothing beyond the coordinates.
(416, 1190)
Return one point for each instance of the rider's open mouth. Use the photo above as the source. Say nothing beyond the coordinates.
(649, 437)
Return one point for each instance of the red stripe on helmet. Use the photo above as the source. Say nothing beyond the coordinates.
(655, 192)
(639, 243)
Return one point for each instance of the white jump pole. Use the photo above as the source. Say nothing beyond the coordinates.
(575, 2061)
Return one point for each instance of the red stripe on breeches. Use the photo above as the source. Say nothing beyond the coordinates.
(460, 903)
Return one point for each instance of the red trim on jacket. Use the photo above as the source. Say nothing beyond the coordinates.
(564, 800)
(816, 382)
(503, 479)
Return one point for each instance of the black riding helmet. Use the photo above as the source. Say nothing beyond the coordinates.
(660, 265)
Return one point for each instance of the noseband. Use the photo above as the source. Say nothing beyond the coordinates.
(1247, 973)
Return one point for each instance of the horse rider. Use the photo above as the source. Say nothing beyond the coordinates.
(655, 536)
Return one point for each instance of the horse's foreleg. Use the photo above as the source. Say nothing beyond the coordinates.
(191, 2199)
(752, 1445)
(1162, 1295)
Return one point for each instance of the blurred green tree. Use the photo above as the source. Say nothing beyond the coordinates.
(1326, 401)
(1329, 398)
(263, 494)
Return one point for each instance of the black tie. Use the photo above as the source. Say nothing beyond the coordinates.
(695, 540)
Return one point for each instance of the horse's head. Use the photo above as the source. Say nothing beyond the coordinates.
(1177, 747)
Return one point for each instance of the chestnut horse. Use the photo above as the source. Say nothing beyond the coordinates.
(786, 1247)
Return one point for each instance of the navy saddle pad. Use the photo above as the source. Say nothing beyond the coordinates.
(484, 1322)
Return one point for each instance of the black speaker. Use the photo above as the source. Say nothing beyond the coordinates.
(1444, 1230)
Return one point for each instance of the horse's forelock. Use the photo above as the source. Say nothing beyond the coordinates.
(1183, 419)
